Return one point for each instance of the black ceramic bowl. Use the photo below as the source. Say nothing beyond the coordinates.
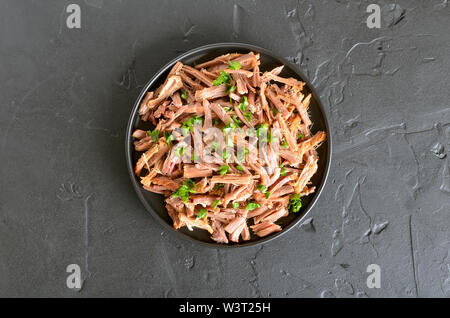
(154, 203)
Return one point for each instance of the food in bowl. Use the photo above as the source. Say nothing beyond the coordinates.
(231, 149)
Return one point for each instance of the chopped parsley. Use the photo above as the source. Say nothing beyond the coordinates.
(189, 124)
(183, 191)
(223, 78)
(214, 145)
(284, 144)
(283, 171)
(226, 155)
(202, 213)
(229, 127)
(262, 188)
(235, 205)
(239, 167)
(230, 89)
(236, 120)
(234, 65)
(169, 137)
(179, 152)
(154, 134)
(194, 157)
(261, 129)
(184, 94)
(295, 203)
(215, 204)
(244, 107)
(252, 205)
(223, 170)
(241, 155)
(244, 104)
(300, 136)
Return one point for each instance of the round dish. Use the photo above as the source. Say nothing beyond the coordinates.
(154, 203)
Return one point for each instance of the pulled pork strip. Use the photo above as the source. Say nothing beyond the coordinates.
(191, 171)
(265, 228)
(192, 222)
(220, 112)
(174, 215)
(287, 133)
(232, 179)
(211, 92)
(198, 75)
(173, 84)
(219, 233)
(308, 171)
(204, 200)
(139, 134)
(276, 102)
(223, 59)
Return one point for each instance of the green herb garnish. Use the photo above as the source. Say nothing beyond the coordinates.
(223, 78)
(184, 94)
(300, 136)
(230, 89)
(169, 137)
(154, 134)
(183, 191)
(215, 204)
(228, 127)
(284, 144)
(194, 157)
(226, 155)
(241, 155)
(243, 104)
(223, 170)
(202, 213)
(261, 129)
(214, 145)
(235, 205)
(239, 167)
(234, 65)
(262, 188)
(236, 120)
(295, 203)
(283, 170)
(189, 124)
(179, 152)
(252, 206)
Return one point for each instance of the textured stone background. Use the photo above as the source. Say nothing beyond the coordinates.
(66, 196)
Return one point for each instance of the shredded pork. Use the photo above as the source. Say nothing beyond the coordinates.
(236, 193)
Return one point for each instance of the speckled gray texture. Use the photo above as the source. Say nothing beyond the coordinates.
(66, 195)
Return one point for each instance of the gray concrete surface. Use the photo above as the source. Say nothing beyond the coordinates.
(66, 196)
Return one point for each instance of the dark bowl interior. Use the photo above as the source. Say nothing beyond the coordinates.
(154, 203)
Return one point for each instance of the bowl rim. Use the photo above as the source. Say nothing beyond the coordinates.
(157, 75)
